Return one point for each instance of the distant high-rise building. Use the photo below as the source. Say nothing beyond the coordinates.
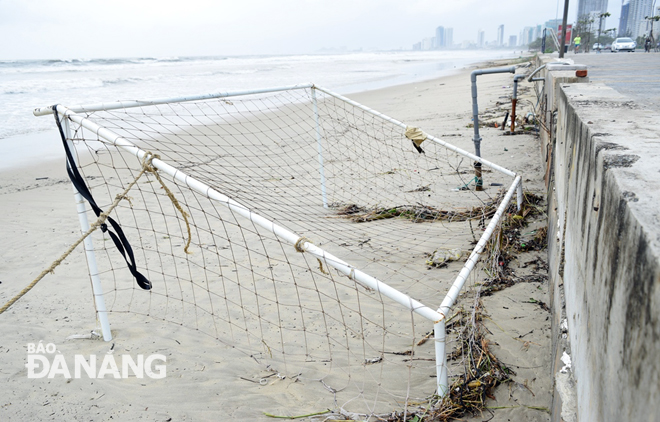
(440, 40)
(527, 35)
(637, 25)
(623, 19)
(427, 43)
(480, 38)
(449, 37)
(512, 40)
(553, 24)
(500, 35)
(417, 46)
(586, 7)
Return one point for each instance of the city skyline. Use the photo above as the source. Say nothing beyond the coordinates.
(168, 28)
(631, 20)
(527, 35)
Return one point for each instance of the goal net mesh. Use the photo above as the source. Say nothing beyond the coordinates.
(389, 208)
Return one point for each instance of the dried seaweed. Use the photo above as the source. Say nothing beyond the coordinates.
(506, 243)
(483, 372)
(419, 213)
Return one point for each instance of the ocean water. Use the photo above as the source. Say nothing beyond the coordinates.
(28, 84)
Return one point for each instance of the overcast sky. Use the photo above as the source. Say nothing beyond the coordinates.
(41, 29)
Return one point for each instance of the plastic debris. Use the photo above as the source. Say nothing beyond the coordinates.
(441, 257)
(567, 363)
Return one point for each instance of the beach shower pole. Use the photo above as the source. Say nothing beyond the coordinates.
(97, 289)
(475, 115)
(319, 147)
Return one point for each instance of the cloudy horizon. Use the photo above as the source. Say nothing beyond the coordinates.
(82, 29)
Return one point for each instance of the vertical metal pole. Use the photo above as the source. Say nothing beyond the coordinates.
(562, 41)
(479, 183)
(319, 147)
(440, 334)
(514, 101)
(600, 26)
(97, 289)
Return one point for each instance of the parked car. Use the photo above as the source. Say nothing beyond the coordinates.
(598, 46)
(623, 44)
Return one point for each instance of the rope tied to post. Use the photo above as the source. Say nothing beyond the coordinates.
(147, 166)
(417, 136)
(299, 248)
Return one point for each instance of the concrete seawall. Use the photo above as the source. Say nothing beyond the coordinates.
(602, 153)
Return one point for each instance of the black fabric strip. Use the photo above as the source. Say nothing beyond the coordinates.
(119, 239)
(417, 147)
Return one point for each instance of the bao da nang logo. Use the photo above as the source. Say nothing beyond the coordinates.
(45, 361)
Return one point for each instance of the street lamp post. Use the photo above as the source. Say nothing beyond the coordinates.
(562, 42)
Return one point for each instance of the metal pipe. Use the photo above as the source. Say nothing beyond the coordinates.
(242, 210)
(537, 70)
(88, 244)
(514, 101)
(531, 78)
(475, 115)
(319, 146)
(42, 111)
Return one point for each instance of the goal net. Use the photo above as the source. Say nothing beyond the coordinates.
(300, 228)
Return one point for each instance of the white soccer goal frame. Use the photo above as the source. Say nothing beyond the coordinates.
(437, 317)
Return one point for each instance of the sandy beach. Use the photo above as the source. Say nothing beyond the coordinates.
(209, 377)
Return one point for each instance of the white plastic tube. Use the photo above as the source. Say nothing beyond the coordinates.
(452, 295)
(319, 146)
(88, 244)
(42, 111)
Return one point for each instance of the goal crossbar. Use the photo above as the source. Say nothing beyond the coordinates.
(115, 105)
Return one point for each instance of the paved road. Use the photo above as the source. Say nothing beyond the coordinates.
(634, 74)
